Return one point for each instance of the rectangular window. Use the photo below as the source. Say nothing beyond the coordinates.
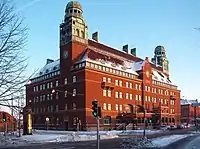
(136, 86)
(104, 93)
(109, 107)
(136, 97)
(109, 80)
(74, 106)
(116, 95)
(57, 108)
(109, 93)
(120, 83)
(127, 84)
(44, 97)
(74, 92)
(65, 81)
(74, 79)
(120, 95)
(104, 106)
(116, 107)
(51, 85)
(66, 107)
(56, 95)
(126, 95)
(47, 85)
(40, 87)
(131, 96)
(66, 93)
(56, 83)
(131, 86)
(116, 82)
(120, 108)
(104, 79)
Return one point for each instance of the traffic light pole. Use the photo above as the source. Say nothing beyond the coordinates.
(98, 138)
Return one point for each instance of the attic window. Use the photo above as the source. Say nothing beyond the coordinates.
(54, 68)
(47, 70)
(40, 73)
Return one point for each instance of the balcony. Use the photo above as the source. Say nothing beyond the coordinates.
(107, 85)
(172, 97)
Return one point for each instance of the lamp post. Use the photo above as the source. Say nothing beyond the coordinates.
(47, 122)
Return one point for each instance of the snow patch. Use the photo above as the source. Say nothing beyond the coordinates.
(134, 143)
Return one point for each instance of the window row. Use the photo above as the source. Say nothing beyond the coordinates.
(50, 96)
(108, 93)
(50, 85)
(110, 70)
(52, 108)
(47, 76)
(119, 107)
(163, 84)
(137, 86)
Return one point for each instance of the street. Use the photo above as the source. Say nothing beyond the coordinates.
(114, 143)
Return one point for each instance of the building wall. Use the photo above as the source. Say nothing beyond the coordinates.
(11, 122)
(188, 113)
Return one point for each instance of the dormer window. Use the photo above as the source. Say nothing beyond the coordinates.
(54, 68)
(47, 70)
(40, 73)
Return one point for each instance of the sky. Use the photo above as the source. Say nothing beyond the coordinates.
(140, 23)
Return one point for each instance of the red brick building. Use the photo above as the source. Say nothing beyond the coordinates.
(11, 122)
(188, 111)
(89, 70)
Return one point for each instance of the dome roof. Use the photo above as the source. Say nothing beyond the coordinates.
(159, 49)
(74, 4)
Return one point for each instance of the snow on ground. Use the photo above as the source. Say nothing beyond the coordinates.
(155, 142)
(44, 136)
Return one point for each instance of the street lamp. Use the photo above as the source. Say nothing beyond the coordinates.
(47, 122)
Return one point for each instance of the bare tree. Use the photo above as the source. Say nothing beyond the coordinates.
(13, 63)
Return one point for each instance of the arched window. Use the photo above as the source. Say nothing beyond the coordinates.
(77, 32)
(82, 34)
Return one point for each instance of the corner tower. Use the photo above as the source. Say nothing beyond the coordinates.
(160, 58)
(74, 27)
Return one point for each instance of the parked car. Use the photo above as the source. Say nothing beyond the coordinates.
(180, 126)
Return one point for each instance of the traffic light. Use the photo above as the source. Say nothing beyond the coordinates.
(150, 121)
(4, 117)
(99, 112)
(95, 108)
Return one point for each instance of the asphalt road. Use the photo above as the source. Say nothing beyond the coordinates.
(104, 144)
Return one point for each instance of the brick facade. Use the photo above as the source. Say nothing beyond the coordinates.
(82, 74)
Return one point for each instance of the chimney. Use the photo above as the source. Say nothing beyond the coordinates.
(49, 61)
(125, 48)
(133, 51)
(95, 36)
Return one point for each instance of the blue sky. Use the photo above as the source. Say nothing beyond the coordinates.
(142, 24)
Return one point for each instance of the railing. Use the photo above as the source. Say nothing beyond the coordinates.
(107, 85)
